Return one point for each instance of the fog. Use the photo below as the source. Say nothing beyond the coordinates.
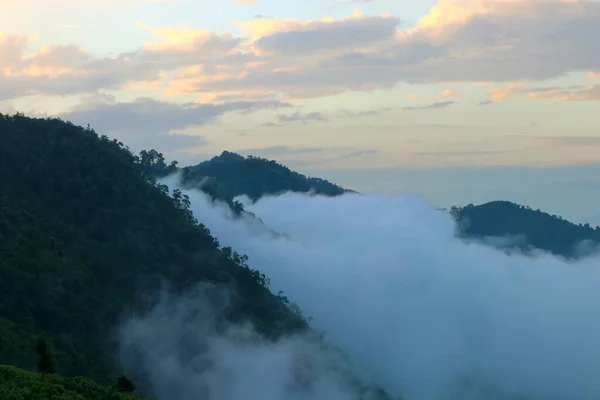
(188, 352)
(427, 316)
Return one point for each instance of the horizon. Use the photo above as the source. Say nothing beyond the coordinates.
(459, 101)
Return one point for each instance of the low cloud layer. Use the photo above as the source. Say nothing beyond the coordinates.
(427, 315)
(186, 351)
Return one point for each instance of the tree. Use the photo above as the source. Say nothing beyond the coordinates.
(124, 384)
(45, 363)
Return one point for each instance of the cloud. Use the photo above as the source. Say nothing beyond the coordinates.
(436, 105)
(586, 92)
(277, 151)
(364, 113)
(62, 69)
(186, 350)
(574, 93)
(148, 123)
(458, 41)
(306, 38)
(568, 141)
(297, 117)
(427, 315)
(465, 153)
(476, 41)
(316, 156)
(445, 94)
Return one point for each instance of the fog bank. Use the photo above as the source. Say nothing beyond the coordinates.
(428, 315)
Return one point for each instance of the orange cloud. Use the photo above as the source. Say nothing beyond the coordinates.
(304, 58)
(502, 93)
(574, 93)
(445, 94)
(593, 75)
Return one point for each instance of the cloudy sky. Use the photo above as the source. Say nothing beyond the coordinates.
(461, 101)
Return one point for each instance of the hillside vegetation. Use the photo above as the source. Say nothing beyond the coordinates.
(84, 233)
(17, 384)
(232, 175)
(540, 230)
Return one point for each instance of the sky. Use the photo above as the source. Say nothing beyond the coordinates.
(460, 101)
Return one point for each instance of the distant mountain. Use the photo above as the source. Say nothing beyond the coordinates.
(500, 223)
(231, 175)
(535, 228)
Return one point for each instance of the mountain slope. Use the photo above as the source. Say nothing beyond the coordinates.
(83, 234)
(232, 175)
(540, 230)
(16, 384)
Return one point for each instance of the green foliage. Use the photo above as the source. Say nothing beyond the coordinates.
(45, 364)
(85, 231)
(17, 384)
(124, 384)
(152, 163)
(542, 230)
(230, 175)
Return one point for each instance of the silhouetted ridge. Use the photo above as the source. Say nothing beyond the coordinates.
(233, 175)
(542, 230)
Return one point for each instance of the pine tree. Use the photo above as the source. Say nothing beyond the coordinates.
(124, 384)
(45, 364)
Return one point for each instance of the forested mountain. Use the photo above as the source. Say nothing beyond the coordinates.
(87, 237)
(231, 175)
(86, 233)
(16, 384)
(83, 232)
(538, 229)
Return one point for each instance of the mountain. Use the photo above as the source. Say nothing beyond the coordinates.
(88, 238)
(498, 222)
(529, 228)
(17, 384)
(85, 234)
(232, 175)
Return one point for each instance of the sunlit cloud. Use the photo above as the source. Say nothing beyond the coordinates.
(478, 41)
(445, 94)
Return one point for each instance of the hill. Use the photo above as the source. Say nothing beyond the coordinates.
(85, 233)
(231, 175)
(88, 238)
(538, 229)
(17, 384)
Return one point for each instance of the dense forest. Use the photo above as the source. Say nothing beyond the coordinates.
(84, 231)
(232, 175)
(17, 384)
(539, 230)
(87, 236)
